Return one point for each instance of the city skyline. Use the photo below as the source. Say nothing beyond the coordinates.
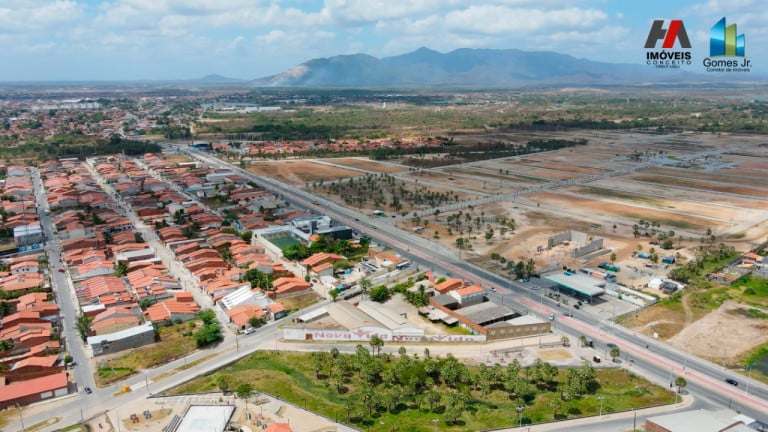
(81, 40)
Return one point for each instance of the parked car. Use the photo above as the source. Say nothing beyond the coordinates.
(61, 270)
(732, 382)
(88, 390)
(492, 289)
(596, 359)
(249, 330)
(577, 306)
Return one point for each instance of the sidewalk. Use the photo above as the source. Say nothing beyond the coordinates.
(585, 422)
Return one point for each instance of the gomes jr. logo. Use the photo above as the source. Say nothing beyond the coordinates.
(724, 42)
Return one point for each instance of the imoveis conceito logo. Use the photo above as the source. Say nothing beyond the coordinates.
(725, 42)
(667, 57)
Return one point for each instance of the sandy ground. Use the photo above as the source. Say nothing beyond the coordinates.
(726, 193)
(370, 165)
(713, 335)
(300, 172)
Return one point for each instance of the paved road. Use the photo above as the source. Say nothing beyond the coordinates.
(660, 359)
(659, 362)
(63, 291)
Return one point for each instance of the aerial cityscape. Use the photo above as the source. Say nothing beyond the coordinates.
(383, 216)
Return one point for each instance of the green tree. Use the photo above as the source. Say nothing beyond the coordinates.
(376, 344)
(256, 322)
(83, 325)
(380, 294)
(680, 382)
(121, 269)
(244, 390)
(615, 352)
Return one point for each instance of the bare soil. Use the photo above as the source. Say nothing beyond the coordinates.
(300, 172)
(725, 332)
(369, 165)
(619, 210)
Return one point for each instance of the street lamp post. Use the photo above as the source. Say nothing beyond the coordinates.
(21, 417)
(519, 410)
(601, 398)
(749, 377)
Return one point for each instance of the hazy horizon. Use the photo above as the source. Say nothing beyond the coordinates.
(176, 40)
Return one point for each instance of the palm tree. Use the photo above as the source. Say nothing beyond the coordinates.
(376, 344)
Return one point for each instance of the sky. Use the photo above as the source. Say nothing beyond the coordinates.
(83, 40)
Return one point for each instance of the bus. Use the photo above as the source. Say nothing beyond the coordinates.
(403, 265)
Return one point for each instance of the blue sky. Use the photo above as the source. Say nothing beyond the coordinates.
(184, 39)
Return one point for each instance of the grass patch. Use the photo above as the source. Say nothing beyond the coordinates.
(737, 236)
(186, 366)
(338, 391)
(75, 427)
(174, 341)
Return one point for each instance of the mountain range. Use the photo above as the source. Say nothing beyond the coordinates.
(462, 68)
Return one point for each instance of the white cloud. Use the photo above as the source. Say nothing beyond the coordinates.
(361, 12)
(498, 19)
(38, 15)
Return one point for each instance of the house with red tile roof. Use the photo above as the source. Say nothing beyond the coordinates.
(204, 253)
(321, 258)
(22, 282)
(206, 264)
(24, 267)
(34, 390)
(180, 308)
(239, 315)
(32, 367)
(468, 296)
(114, 319)
(288, 286)
(449, 285)
(278, 427)
(92, 269)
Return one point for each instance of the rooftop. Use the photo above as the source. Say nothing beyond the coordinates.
(582, 283)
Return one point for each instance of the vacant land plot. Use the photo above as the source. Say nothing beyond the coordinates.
(672, 219)
(701, 185)
(369, 165)
(712, 336)
(300, 172)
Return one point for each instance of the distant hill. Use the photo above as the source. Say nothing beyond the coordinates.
(215, 78)
(459, 68)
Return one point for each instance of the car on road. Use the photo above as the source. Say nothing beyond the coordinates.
(577, 306)
(88, 390)
(732, 382)
(249, 330)
(61, 270)
(611, 345)
(492, 289)
(535, 287)
(568, 314)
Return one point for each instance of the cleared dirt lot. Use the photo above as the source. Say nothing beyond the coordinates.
(713, 335)
(683, 190)
(625, 211)
(300, 172)
(369, 165)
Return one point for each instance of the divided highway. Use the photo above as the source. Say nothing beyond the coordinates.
(662, 361)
